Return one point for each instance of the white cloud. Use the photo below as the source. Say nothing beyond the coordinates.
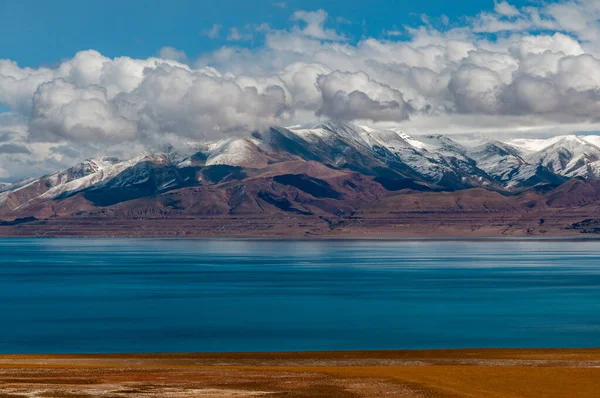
(506, 9)
(18, 85)
(343, 21)
(26, 158)
(61, 110)
(581, 73)
(314, 25)
(173, 54)
(236, 35)
(301, 80)
(393, 32)
(350, 96)
(557, 43)
(201, 104)
(214, 32)
(476, 90)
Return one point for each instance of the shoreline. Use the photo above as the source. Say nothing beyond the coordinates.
(583, 237)
(433, 353)
(556, 372)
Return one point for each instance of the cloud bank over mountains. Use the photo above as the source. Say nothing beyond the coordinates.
(531, 69)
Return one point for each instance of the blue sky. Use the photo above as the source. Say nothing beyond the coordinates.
(34, 32)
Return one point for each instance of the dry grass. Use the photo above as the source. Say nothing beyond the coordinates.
(445, 373)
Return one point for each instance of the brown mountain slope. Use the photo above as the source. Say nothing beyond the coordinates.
(300, 198)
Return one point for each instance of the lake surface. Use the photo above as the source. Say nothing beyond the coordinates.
(76, 296)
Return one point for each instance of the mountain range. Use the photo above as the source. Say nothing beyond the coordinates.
(328, 179)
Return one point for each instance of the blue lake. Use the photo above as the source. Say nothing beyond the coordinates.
(76, 296)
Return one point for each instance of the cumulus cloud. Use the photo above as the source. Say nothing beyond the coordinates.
(314, 25)
(530, 68)
(301, 80)
(349, 96)
(61, 110)
(476, 90)
(173, 54)
(506, 9)
(17, 85)
(22, 158)
(202, 104)
(92, 98)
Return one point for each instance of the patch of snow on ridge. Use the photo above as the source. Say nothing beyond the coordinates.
(74, 179)
(105, 168)
(233, 152)
(313, 135)
(410, 139)
(384, 138)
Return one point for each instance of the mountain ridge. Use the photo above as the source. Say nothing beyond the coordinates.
(325, 178)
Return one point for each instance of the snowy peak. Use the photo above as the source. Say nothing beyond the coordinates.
(92, 172)
(360, 135)
(83, 169)
(242, 152)
(87, 174)
(572, 143)
(491, 148)
(567, 155)
(533, 145)
(435, 159)
(337, 127)
(441, 144)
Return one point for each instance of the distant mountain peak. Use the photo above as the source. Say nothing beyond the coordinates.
(334, 125)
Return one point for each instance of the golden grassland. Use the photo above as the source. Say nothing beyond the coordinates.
(438, 373)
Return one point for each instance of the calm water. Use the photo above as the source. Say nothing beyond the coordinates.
(163, 295)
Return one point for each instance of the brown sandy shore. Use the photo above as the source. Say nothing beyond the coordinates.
(441, 373)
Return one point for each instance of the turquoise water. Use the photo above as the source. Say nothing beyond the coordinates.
(72, 296)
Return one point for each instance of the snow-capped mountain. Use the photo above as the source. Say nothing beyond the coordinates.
(92, 173)
(391, 158)
(498, 159)
(570, 156)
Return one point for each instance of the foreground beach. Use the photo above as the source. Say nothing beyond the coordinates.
(442, 373)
